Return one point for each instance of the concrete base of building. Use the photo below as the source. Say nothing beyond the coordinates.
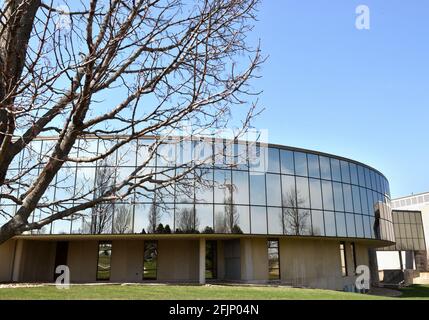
(311, 263)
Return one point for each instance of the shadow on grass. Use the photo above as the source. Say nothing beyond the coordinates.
(415, 292)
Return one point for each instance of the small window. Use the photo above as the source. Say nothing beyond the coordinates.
(273, 260)
(353, 250)
(103, 263)
(344, 272)
(211, 259)
(150, 260)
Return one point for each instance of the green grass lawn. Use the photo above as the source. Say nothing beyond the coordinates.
(193, 292)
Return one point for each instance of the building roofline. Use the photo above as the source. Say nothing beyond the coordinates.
(411, 196)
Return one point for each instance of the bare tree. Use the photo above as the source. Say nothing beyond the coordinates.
(294, 221)
(117, 70)
(123, 219)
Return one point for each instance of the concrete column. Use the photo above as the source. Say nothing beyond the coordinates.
(17, 260)
(247, 260)
(401, 263)
(202, 261)
(373, 267)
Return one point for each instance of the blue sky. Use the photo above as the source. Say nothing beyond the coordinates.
(362, 94)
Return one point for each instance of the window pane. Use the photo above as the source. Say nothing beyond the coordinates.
(273, 260)
(348, 199)
(356, 199)
(204, 186)
(341, 224)
(338, 196)
(288, 191)
(336, 172)
(275, 219)
(361, 174)
(345, 172)
(350, 222)
(103, 264)
(296, 221)
(354, 174)
(150, 260)
(328, 197)
(141, 221)
(318, 224)
(257, 189)
(258, 220)
(287, 165)
(123, 218)
(184, 218)
(325, 168)
(232, 219)
(204, 218)
(273, 160)
(330, 229)
(301, 164)
(316, 194)
(359, 226)
(302, 191)
(222, 186)
(240, 187)
(313, 166)
(364, 201)
(273, 190)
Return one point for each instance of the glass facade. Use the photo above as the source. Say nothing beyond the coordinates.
(293, 192)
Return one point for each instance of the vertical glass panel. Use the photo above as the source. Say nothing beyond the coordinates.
(222, 186)
(232, 219)
(316, 194)
(273, 260)
(203, 152)
(370, 202)
(341, 224)
(240, 187)
(273, 160)
(361, 174)
(274, 197)
(318, 224)
(258, 218)
(123, 218)
(356, 199)
(325, 168)
(85, 179)
(338, 196)
(150, 260)
(154, 219)
(257, 189)
(302, 191)
(348, 199)
(204, 218)
(184, 218)
(287, 163)
(350, 222)
(145, 153)
(359, 226)
(204, 186)
(330, 229)
(258, 157)
(367, 178)
(313, 166)
(328, 196)
(296, 221)
(141, 221)
(345, 172)
(240, 156)
(301, 168)
(58, 227)
(354, 174)
(364, 201)
(373, 182)
(103, 264)
(336, 171)
(288, 191)
(166, 154)
(127, 154)
(102, 215)
(367, 226)
(275, 217)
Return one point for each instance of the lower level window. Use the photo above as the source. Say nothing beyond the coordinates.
(273, 260)
(150, 260)
(344, 272)
(211, 260)
(104, 257)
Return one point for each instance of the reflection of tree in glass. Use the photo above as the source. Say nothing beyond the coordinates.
(154, 218)
(123, 218)
(186, 221)
(293, 220)
(102, 213)
(228, 221)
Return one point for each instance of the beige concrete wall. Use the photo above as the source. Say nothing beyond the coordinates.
(254, 259)
(37, 262)
(315, 263)
(7, 255)
(127, 261)
(178, 260)
(82, 261)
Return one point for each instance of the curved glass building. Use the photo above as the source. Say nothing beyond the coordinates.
(240, 212)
